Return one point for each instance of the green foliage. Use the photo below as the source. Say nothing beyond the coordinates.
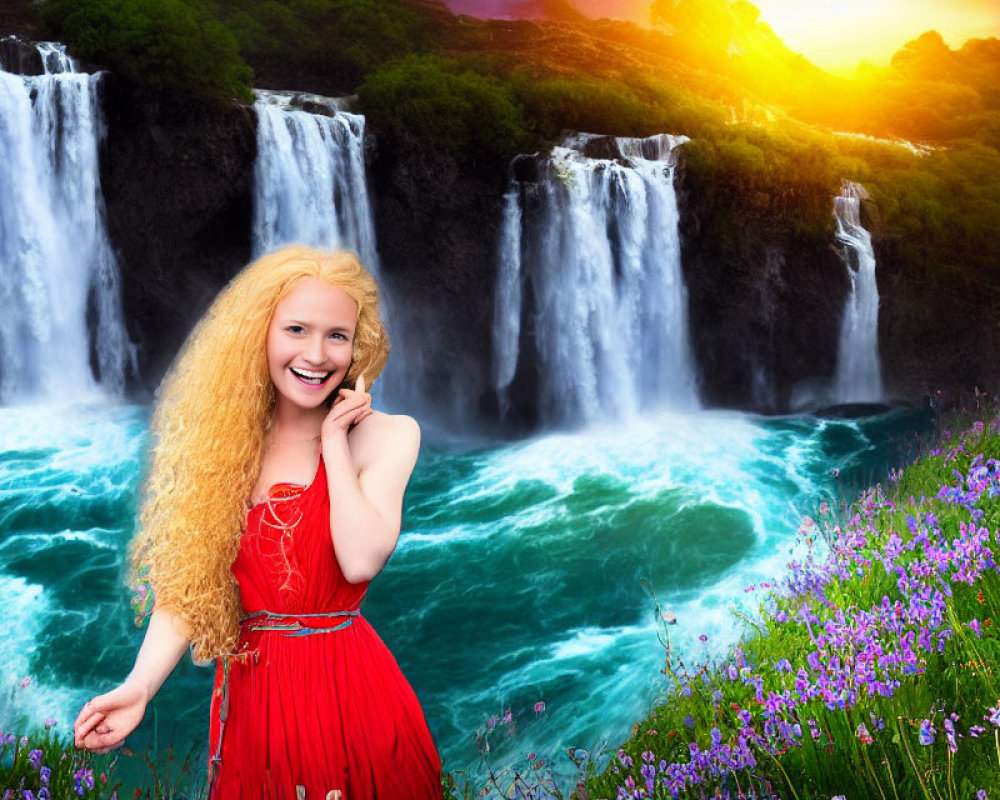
(171, 45)
(647, 106)
(944, 209)
(582, 104)
(431, 102)
(348, 38)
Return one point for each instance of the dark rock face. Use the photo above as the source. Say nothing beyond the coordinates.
(938, 333)
(178, 185)
(437, 222)
(765, 295)
(21, 18)
(20, 56)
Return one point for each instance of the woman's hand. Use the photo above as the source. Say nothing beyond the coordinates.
(349, 408)
(105, 721)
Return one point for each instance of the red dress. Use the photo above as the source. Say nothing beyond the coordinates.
(313, 698)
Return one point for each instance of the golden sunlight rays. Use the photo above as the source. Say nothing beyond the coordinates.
(838, 34)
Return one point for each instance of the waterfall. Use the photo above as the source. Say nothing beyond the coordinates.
(859, 372)
(62, 333)
(310, 176)
(597, 239)
(311, 188)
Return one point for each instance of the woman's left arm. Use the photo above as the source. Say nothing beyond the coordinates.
(367, 472)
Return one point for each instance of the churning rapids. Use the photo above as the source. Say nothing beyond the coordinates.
(517, 577)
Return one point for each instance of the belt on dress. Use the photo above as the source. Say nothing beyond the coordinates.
(267, 621)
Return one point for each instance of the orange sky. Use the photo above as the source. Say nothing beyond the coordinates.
(837, 34)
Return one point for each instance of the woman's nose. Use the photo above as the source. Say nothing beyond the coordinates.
(315, 352)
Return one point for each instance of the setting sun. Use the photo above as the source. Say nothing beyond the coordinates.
(838, 34)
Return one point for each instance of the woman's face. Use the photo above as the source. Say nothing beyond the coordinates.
(310, 342)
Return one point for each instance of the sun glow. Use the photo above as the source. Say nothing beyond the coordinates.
(838, 34)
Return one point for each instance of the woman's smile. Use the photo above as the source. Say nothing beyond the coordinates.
(310, 342)
(310, 377)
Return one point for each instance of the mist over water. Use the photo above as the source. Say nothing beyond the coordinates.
(517, 578)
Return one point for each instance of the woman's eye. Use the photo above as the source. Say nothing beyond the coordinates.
(338, 335)
(295, 329)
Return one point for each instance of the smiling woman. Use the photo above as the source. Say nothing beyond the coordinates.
(274, 497)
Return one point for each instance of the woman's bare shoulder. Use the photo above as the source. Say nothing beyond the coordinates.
(382, 435)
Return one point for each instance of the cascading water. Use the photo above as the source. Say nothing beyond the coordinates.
(859, 372)
(597, 239)
(62, 333)
(310, 176)
(311, 188)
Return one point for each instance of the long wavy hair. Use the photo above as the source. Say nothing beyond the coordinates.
(211, 413)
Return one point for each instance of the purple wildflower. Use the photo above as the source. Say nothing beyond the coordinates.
(35, 757)
(648, 771)
(926, 732)
(949, 735)
(863, 735)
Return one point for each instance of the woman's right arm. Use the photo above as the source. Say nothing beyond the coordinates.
(105, 721)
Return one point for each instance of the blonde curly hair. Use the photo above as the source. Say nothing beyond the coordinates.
(212, 411)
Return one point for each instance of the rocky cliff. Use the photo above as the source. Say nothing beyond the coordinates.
(766, 292)
(178, 185)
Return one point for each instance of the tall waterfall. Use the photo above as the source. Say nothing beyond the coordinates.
(596, 239)
(62, 332)
(859, 372)
(310, 176)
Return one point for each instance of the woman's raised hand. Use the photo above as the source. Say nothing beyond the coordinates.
(349, 408)
(105, 721)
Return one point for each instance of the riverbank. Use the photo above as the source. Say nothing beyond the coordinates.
(821, 664)
(871, 670)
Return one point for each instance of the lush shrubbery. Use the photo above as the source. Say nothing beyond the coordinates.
(433, 102)
(348, 38)
(943, 207)
(164, 45)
